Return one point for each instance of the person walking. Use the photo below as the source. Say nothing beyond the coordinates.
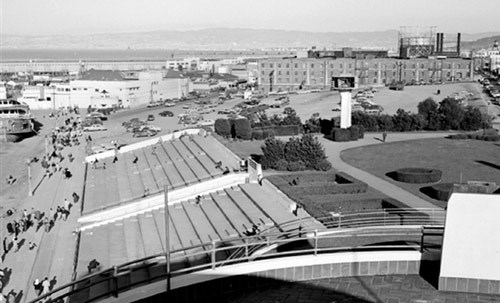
(38, 286)
(45, 286)
(15, 243)
(76, 197)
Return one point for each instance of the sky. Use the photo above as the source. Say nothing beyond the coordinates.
(59, 17)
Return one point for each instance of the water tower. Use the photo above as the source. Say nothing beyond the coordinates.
(345, 85)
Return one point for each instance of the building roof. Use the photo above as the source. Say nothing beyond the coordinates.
(103, 75)
(225, 77)
(173, 74)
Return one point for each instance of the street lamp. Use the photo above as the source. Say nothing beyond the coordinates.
(28, 163)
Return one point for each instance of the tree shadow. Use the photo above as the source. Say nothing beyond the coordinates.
(492, 165)
(37, 125)
(430, 266)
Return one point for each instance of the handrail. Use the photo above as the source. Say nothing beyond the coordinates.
(272, 236)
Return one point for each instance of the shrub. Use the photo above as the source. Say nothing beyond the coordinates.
(283, 130)
(296, 166)
(268, 133)
(418, 175)
(361, 130)
(354, 133)
(243, 129)
(341, 135)
(323, 165)
(273, 150)
(222, 127)
(281, 165)
(257, 134)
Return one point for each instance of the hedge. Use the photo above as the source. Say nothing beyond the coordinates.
(341, 135)
(281, 130)
(243, 129)
(222, 127)
(441, 192)
(487, 137)
(418, 175)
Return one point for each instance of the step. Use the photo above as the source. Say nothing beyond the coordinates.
(202, 157)
(169, 168)
(217, 151)
(145, 171)
(186, 173)
(150, 169)
(200, 172)
(134, 245)
(202, 226)
(100, 288)
(187, 236)
(112, 188)
(122, 179)
(135, 180)
(156, 167)
(224, 228)
(249, 208)
(149, 233)
(117, 243)
(232, 213)
(85, 252)
(101, 248)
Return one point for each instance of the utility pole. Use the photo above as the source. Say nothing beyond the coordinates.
(167, 237)
(30, 192)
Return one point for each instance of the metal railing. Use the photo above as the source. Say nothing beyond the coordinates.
(368, 227)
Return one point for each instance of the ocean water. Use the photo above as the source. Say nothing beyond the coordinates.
(82, 54)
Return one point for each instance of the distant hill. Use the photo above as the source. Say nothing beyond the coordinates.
(483, 43)
(214, 39)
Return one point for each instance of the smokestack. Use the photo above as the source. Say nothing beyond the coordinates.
(436, 48)
(442, 42)
(458, 43)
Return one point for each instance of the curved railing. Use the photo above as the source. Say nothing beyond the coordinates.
(369, 228)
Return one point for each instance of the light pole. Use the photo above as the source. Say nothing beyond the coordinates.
(30, 192)
(167, 238)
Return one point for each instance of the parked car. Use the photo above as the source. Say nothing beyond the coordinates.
(226, 112)
(152, 127)
(169, 104)
(144, 133)
(336, 109)
(166, 113)
(98, 115)
(208, 122)
(154, 104)
(94, 127)
(150, 118)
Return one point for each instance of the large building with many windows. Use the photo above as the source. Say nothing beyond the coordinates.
(292, 74)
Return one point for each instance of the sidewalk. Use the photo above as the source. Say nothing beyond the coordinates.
(55, 252)
(334, 149)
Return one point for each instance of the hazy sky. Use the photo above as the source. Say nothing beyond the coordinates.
(47, 17)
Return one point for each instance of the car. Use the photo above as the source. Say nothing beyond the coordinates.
(94, 127)
(166, 113)
(97, 115)
(336, 109)
(169, 104)
(151, 127)
(150, 118)
(154, 104)
(144, 133)
(226, 112)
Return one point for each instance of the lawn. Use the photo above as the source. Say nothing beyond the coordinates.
(466, 160)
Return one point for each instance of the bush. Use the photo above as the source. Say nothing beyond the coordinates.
(341, 135)
(418, 175)
(354, 133)
(257, 134)
(243, 129)
(281, 165)
(222, 127)
(488, 137)
(273, 150)
(361, 130)
(323, 165)
(296, 166)
(268, 133)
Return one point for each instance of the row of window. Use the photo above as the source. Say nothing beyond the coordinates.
(376, 65)
(373, 80)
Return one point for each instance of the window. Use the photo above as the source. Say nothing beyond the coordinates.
(296, 65)
(458, 66)
(304, 73)
(287, 73)
(296, 80)
(288, 65)
(49, 99)
(312, 73)
(422, 66)
(413, 66)
(296, 73)
(279, 79)
(263, 72)
(374, 80)
(350, 65)
(271, 65)
(341, 66)
(449, 66)
(331, 65)
(312, 65)
(279, 72)
(287, 80)
(279, 65)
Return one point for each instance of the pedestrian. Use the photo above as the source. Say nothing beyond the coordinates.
(52, 214)
(75, 196)
(115, 159)
(45, 286)
(47, 224)
(15, 243)
(384, 136)
(4, 244)
(135, 160)
(66, 204)
(65, 214)
(38, 286)
(10, 228)
(32, 245)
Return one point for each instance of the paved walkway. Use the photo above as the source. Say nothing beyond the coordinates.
(53, 257)
(334, 149)
(387, 289)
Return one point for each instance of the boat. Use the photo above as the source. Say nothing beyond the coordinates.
(16, 121)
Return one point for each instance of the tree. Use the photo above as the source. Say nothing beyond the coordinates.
(273, 150)
(222, 127)
(385, 122)
(451, 114)
(313, 124)
(291, 117)
(402, 120)
(243, 129)
(473, 119)
(427, 107)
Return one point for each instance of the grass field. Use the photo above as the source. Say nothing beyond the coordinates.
(466, 160)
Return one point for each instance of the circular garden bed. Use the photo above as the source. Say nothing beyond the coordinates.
(441, 191)
(417, 175)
